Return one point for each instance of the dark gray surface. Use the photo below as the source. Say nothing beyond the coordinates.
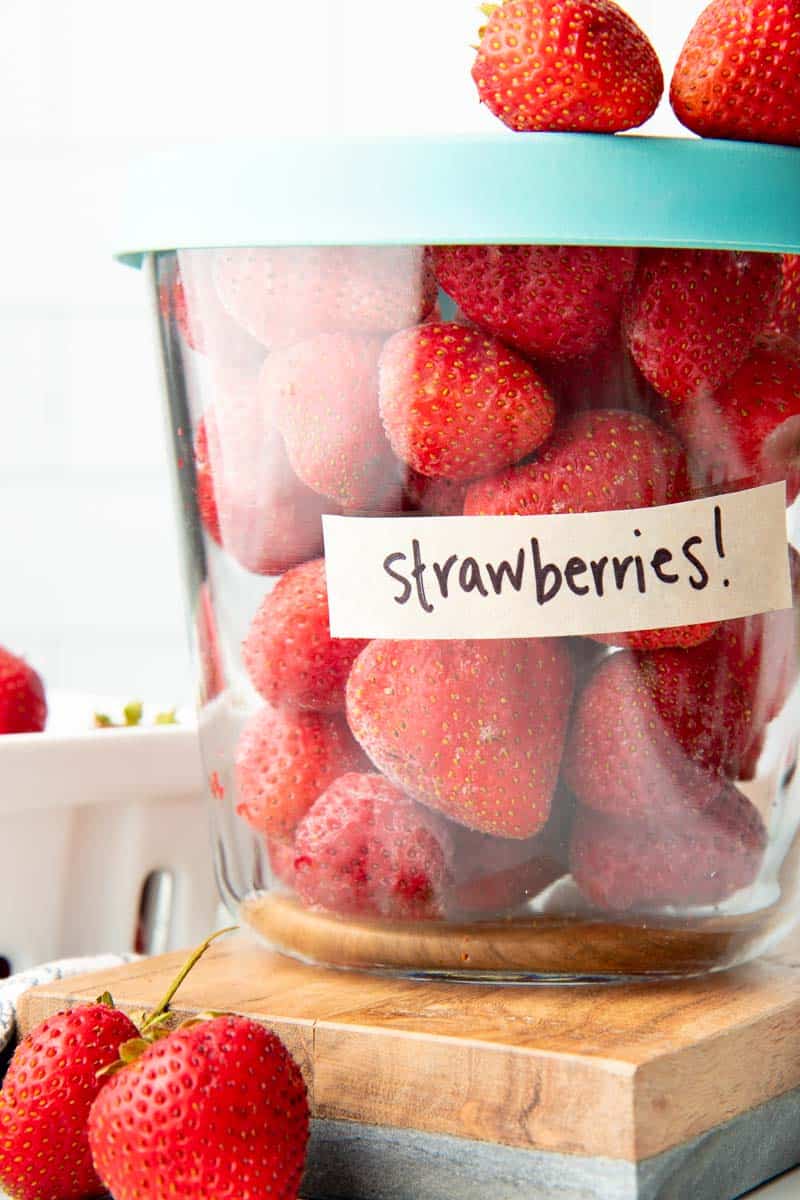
(356, 1162)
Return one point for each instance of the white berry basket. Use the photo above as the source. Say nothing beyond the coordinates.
(104, 836)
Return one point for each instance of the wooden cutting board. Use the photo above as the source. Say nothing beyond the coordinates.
(425, 1091)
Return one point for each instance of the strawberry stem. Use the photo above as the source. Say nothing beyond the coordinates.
(188, 966)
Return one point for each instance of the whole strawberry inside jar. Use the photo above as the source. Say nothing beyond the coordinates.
(487, 450)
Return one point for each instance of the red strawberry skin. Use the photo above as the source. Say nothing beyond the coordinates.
(787, 315)
(458, 404)
(710, 855)
(552, 302)
(284, 761)
(580, 66)
(287, 295)
(474, 729)
(205, 486)
(48, 1091)
(653, 734)
(187, 296)
(426, 495)
(597, 462)
(23, 705)
(215, 1109)
(323, 396)
(694, 316)
(682, 636)
(365, 848)
(749, 429)
(289, 653)
(737, 74)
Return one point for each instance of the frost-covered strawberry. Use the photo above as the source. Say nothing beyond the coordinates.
(474, 729)
(284, 761)
(366, 849)
(289, 294)
(289, 653)
(553, 302)
(596, 462)
(694, 316)
(323, 396)
(737, 74)
(624, 864)
(580, 66)
(787, 314)
(654, 734)
(188, 297)
(458, 404)
(749, 429)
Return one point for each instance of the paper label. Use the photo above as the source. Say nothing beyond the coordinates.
(569, 574)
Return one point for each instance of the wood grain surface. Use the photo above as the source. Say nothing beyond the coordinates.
(621, 1072)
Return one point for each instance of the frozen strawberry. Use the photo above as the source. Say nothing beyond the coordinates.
(282, 855)
(493, 877)
(188, 297)
(682, 636)
(787, 314)
(249, 498)
(323, 396)
(23, 706)
(694, 316)
(209, 654)
(433, 497)
(596, 462)
(605, 378)
(705, 859)
(289, 653)
(554, 302)
(284, 762)
(653, 733)
(474, 729)
(286, 295)
(737, 74)
(457, 403)
(581, 66)
(366, 849)
(749, 429)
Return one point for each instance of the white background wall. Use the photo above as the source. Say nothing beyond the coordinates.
(89, 583)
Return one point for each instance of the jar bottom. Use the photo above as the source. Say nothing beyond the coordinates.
(529, 950)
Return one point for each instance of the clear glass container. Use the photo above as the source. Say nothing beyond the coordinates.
(480, 801)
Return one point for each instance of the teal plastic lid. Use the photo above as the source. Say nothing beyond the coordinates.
(570, 189)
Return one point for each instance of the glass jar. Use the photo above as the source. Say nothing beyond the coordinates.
(485, 450)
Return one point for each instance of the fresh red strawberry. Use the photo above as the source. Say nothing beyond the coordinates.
(23, 706)
(287, 295)
(249, 498)
(581, 66)
(45, 1100)
(555, 302)
(694, 316)
(597, 462)
(188, 297)
(787, 315)
(710, 855)
(474, 729)
(434, 497)
(749, 429)
(216, 1109)
(366, 848)
(682, 636)
(323, 396)
(737, 75)
(284, 761)
(289, 653)
(457, 403)
(653, 733)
